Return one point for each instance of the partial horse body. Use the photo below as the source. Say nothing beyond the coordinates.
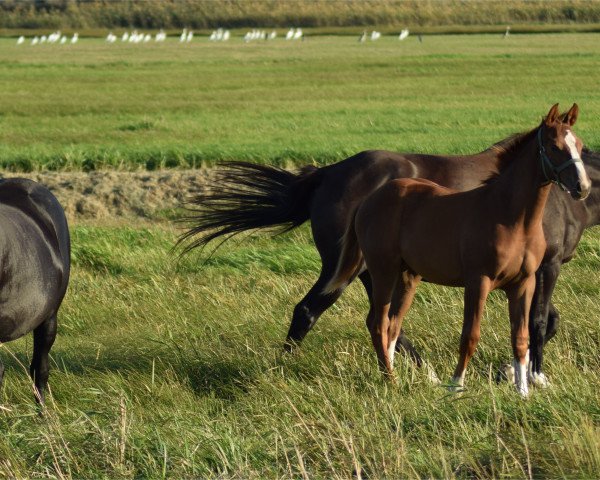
(34, 269)
(245, 196)
(484, 239)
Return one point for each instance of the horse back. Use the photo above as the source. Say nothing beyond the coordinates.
(39, 204)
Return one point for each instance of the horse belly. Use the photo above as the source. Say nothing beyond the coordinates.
(30, 284)
(436, 261)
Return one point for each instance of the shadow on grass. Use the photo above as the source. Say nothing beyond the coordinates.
(206, 375)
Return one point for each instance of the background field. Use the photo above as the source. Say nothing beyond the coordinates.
(92, 105)
(166, 368)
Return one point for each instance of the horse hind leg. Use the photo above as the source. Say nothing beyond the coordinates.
(310, 308)
(475, 296)
(43, 339)
(401, 302)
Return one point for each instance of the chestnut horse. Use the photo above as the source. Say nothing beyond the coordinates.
(483, 239)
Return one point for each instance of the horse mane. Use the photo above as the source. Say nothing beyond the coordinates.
(507, 149)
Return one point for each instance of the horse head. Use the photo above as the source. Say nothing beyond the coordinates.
(560, 152)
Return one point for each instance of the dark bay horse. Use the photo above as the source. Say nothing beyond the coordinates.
(483, 239)
(34, 269)
(245, 196)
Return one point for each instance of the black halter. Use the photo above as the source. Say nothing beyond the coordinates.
(549, 167)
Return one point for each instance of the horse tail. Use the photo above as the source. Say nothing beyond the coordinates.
(245, 196)
(350, 261)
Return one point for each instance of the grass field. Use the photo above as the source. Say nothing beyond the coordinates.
(94, 105)
(167, 368)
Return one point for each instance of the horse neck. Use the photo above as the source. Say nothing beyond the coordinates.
(523, 188)
(592, 203)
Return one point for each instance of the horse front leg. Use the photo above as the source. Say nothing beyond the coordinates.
(476, 293)
(540, 321)
(519, 304)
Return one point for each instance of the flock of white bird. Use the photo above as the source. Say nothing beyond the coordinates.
(54, 37)
(219, 35)
(375, 35)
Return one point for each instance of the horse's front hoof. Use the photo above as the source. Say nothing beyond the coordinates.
(539, 380)
(521, 378)
(523, 390)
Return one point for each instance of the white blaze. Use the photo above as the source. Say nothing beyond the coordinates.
(581, 173)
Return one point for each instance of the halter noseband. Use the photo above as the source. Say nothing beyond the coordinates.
(553, 169)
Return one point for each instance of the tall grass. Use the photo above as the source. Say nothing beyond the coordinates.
(285, 13)
(166, 368)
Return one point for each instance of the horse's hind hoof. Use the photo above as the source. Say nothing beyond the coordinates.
(454, 386)
(506, 373)
(539, 380)
(431, 375)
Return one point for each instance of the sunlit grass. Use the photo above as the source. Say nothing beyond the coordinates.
(173, 367)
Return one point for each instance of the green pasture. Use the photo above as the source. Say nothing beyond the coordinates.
(166, 368)
(93, 105)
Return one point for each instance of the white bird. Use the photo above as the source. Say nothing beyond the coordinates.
(507, 32)
(54, 37)
(63, 40)
(21, 40)
(190, 36)
(290, 34)
(226, 35)
(110, 38)
(147, 38)
(298, 34)
(375, 35)
(35, 40)
(43, 39)
(403, 34)
(183, 36)
(161, 36)
(363, 37)
(273, 35)
(125, 37)
(75, 38)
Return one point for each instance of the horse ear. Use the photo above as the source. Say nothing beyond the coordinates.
(571, 116)
(552, 115)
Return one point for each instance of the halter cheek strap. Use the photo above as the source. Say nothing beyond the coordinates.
(549, 167)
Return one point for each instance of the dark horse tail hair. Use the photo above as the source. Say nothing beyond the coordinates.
(350, 261)
(245, 196)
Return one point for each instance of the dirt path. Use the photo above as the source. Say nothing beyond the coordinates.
(112, 194)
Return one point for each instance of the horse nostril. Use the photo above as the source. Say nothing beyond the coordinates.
(578, 187)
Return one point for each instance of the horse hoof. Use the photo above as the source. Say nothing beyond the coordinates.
(539, 380)
(523, 391)
(506, 373)
(431, 375)
(454, 386)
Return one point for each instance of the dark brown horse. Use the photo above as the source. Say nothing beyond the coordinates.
(35, 263)
(244, 196)
(484, 239)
